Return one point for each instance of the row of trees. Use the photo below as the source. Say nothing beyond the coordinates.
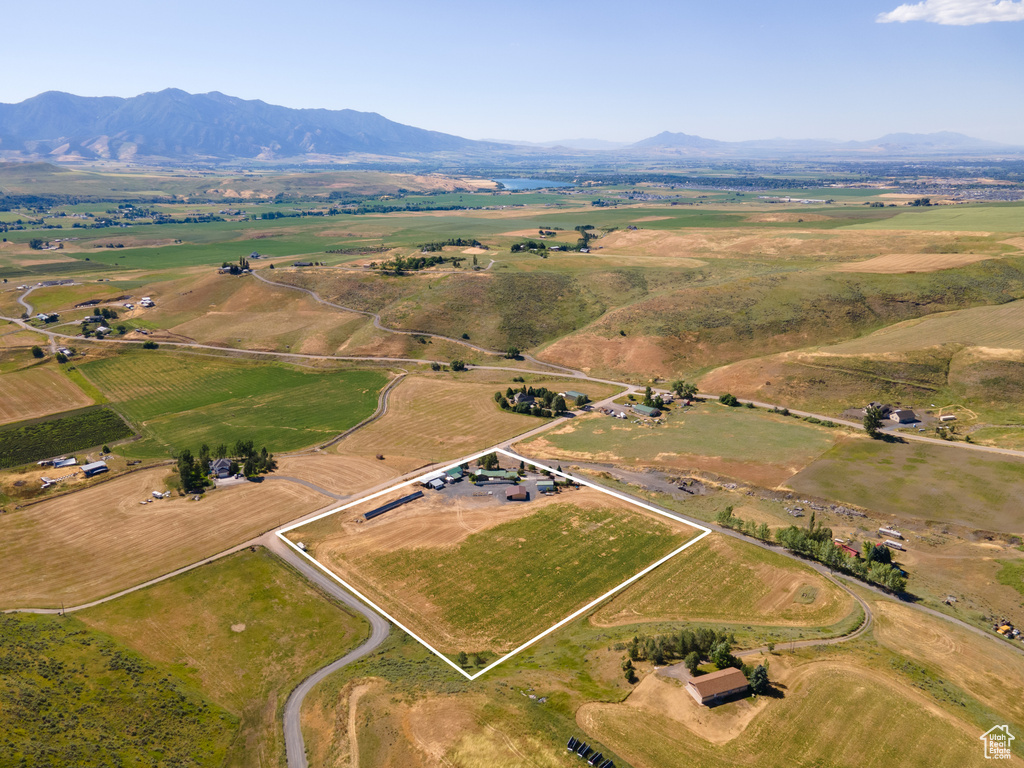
(401, 264)
(816, 542)
(453, 241)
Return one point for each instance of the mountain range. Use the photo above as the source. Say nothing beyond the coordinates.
(175, 126)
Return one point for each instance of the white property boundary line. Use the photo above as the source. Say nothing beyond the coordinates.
(281, 534)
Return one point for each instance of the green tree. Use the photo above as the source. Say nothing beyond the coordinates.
(721, 655)
(873, 422)
(692, 662)
(759, 682)
(462, 659)
(512, 353)
(684, 389)
(558, 404)
(189, 472)
(457, 365)
(37, 351)
(628, 671)
(582, 400)
(728, 399)
(62, 358)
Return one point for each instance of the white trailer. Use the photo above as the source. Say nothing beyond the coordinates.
(890, 532)
(894, 545)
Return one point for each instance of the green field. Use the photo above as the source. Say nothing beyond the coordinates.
(747, 443)
(501, 586)
(180, 401)
(46, 438)
(1011, 573)
(75, 697)
(992, 217)
(245, 630)
(929, 482)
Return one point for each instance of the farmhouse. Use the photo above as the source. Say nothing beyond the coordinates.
(647, 410)
(717, 686)
(95, 468)
(901, 416)
(220, 468)
(522, 397)
(847, 548)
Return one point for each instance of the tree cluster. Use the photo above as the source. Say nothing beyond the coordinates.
(453, 241)
(194, 470)
(236, 269)
(546, 403)
(528, 245)
(684, 389)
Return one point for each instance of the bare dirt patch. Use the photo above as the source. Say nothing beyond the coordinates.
(901, 263)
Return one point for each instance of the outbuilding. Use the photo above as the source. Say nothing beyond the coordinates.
(517, 493)
(717, 686)
(573, 395)
(453, 474)
(647, 410)
(545, 486)
(94, 468)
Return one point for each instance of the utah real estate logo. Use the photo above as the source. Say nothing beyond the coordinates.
(997, 743)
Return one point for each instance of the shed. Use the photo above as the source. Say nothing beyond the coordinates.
(58, 463)
(453, 474)
(430, 477)
(94, 468)
(496, 474)
(647, 410)
(517, 493)
(717, 686)
(546, 486)
(573, 395)
(437, 484)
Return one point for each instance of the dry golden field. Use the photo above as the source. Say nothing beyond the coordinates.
(432, 419)
(100, 540)
(897, 263)
(38, 391)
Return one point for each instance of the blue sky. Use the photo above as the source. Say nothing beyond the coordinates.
(536, 71)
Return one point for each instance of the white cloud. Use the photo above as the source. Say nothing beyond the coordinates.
(961, 13)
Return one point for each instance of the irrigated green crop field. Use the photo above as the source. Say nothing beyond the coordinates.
(46, 438)
(181, 401)
(929, 482)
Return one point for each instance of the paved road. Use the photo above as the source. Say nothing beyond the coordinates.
(294, 744)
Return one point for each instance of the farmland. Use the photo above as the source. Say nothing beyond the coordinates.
(74, 696)
(27, 442)
(1000, 327)
(724, 580)
(738, 442)
(431, 418)
(182, 401)
(926, 482)
(38, 391)
(444, 567)
(100, 540)
(244, 630)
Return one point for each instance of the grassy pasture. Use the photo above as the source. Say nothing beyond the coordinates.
(457, 596)
(721, 579)
(97, 541)
(750, 445)
(245, 630)
(431, 418)
(1000, 326)
(38, 391)
(181, 401)
(810, 726)
(927, 482)
(74, 696)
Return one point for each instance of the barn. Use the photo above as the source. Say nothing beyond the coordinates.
(716, 687)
